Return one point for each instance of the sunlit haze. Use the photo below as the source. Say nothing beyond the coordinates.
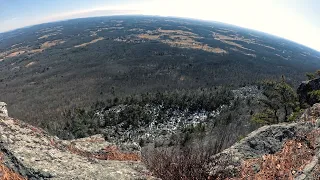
(297, 20)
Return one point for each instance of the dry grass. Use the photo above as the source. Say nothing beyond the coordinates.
(14, 54)
(229, 40)
(180, 32)
(34, 51)
(285, 164)
(148, 36)
(282, 165)
(49, 44)
(107, 153)
(30, 64)
(113, 153)
(180, 39)
(88, 43)
(6, 173)
(48, 35)
(27, 50)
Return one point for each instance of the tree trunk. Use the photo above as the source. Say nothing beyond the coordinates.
(276, 116)
(286, 113)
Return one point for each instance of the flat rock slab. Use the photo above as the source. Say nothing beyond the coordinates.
(37, 155)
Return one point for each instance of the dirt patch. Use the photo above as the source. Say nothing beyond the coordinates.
(48, 35)
(14, 54)
(27, 50)
(49, 44)
(88, 43)
(230, 40)
(30, 64)
(36, 51)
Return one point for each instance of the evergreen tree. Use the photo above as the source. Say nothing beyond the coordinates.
(280, 102)
(310, 76)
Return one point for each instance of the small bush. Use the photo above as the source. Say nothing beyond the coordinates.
(310, 76)
(184, 162)
(315, 95)
(177, 164)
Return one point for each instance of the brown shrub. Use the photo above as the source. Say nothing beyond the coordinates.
(113, 153)
(6, 173)
(178, 164)
(108, 153)
(181, 163)
(285, 164)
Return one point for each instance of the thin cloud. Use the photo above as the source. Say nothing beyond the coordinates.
(104, 11)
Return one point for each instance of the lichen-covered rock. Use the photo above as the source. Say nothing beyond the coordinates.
(35, 154)
(274, 152)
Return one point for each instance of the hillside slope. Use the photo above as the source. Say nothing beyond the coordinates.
(282, 151)
(279, 151)
(53, 67)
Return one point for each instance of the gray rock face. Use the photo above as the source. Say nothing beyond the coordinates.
(3, 109)
(305, 88)
(172, 121)
(35, 154)
(267, 140)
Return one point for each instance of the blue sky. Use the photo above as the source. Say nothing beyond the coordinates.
(297, 20)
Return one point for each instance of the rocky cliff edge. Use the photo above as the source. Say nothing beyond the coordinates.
(31, 153)
(282, 151)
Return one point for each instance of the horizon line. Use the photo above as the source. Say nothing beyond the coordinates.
(177, 17)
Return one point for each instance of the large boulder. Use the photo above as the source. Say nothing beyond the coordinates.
(305, 89)
(281, 151)
(34, 154)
